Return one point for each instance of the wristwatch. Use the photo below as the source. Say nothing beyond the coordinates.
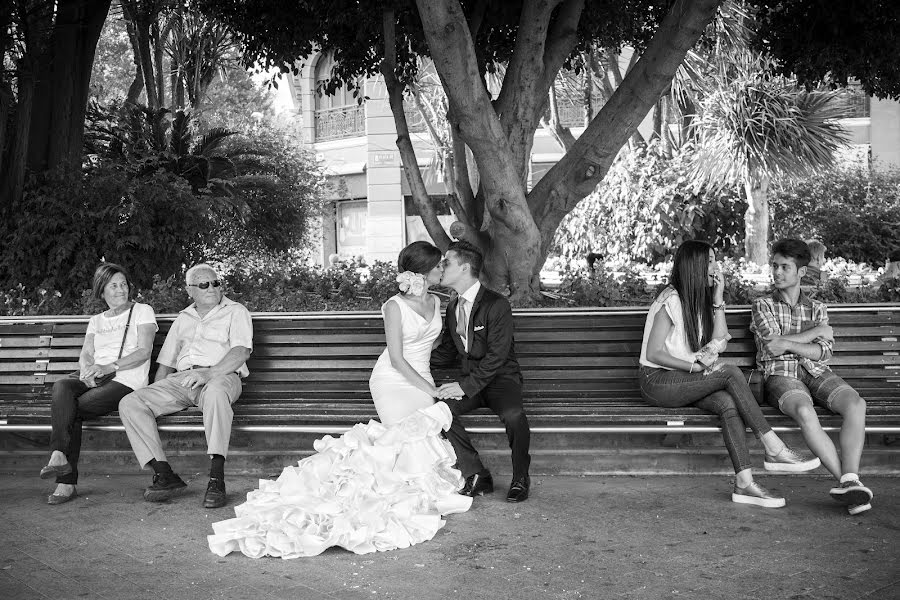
(115, 366)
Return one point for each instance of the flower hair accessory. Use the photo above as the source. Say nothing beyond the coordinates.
(411, 283)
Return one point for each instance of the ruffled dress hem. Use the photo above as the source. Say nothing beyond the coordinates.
(375, 488)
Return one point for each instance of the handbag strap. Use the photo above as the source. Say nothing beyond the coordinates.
(124, 335)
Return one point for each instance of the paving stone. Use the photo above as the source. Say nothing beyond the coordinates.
(14, 588)
(888, 592)
(577, 537)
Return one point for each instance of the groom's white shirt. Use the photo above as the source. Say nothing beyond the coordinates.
(470, 295)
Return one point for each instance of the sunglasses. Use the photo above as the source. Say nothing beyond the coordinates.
(205, 284)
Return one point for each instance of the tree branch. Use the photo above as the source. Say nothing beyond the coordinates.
(561, 39)
(443, 151)
(404, 143)
(562, 135)
(585, 165)
(526, 65)
(539, 53)
(461, 178)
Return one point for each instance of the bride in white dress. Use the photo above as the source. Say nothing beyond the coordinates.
(382, 485)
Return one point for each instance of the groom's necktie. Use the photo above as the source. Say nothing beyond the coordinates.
(461, 322)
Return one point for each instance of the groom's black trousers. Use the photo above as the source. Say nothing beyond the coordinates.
(503, 396)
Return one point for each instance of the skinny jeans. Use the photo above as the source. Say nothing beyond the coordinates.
(74, 402)
(724, 392)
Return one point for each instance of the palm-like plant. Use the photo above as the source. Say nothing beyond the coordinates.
(754, 127)
(224, 173)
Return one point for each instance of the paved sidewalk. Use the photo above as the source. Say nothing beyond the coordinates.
(577, 537)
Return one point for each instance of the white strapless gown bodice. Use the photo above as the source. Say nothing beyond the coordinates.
(394, 396)
(380, 486)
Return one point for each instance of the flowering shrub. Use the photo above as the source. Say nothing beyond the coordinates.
(287, 284)
(20, 301)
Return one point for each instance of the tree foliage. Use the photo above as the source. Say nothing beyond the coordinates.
(199, 196)
(66, 224)
(854, 211)
(647, 206)
(833, 41)
(755, 123)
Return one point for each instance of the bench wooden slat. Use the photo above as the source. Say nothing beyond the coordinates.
(579, 366)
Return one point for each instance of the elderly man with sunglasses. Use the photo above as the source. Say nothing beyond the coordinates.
(201, 364)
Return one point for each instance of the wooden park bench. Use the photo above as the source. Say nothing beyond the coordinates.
(309, 371)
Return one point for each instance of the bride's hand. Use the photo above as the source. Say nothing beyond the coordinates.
(450, 390)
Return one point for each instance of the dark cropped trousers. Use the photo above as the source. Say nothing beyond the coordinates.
(74, 402)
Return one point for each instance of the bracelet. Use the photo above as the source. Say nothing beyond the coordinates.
(719, 306)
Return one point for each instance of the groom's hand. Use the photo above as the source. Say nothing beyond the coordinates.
(450, 390)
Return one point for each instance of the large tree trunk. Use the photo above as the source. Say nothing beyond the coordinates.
(12, 174)
(501, 146)
(62, 85)
(500, 133)
(756, 221)
(7, 102)
(35, 26)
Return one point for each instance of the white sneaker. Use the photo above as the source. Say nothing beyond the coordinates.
(855, 509)
(852, 493)
(757, 495)
(791, 461)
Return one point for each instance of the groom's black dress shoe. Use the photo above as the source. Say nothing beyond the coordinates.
(518, 491)
(478, 484)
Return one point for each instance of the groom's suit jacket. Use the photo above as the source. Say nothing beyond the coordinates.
(491, 351)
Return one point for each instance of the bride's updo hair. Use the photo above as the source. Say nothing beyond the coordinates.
(418, 257)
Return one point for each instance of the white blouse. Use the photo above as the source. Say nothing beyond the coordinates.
(676, 342)
(108, 334)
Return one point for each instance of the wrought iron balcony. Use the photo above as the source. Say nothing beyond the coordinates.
(341, 122)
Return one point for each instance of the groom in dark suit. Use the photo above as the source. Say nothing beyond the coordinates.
(478, 336)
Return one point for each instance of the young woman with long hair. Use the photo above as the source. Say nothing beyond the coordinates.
(684, 334)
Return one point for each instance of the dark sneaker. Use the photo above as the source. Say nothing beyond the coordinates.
(165, 486)
(855, 509)
(852, 493)
(215, 494)
(791, 461)
(757, 495)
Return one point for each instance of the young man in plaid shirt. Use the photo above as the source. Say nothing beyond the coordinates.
(794, 341)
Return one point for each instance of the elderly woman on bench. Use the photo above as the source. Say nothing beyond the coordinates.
(114, 361)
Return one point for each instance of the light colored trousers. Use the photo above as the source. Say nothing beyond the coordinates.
(139, 411)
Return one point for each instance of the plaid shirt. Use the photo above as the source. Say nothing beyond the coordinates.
(773, 316)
